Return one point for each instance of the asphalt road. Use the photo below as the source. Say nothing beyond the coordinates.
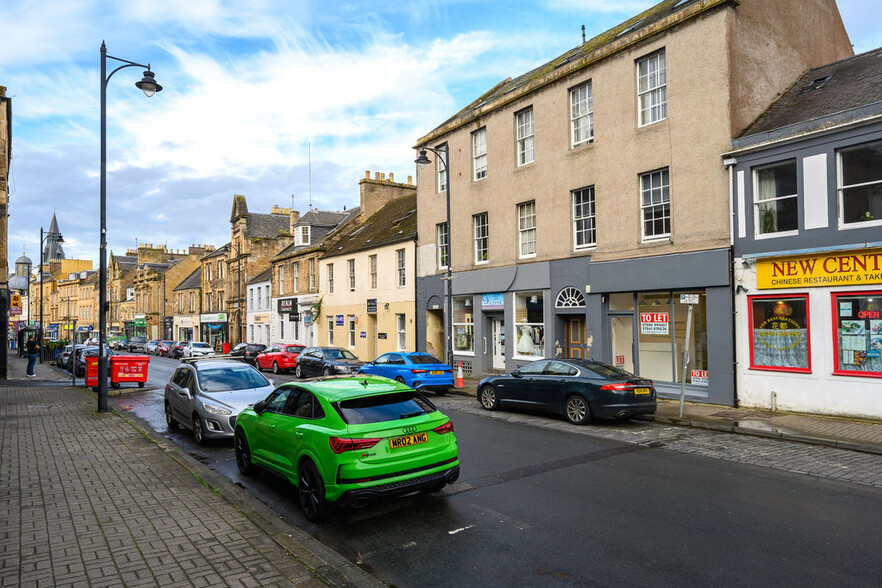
(542, 503)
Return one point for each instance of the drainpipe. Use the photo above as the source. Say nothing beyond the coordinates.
(730, 166)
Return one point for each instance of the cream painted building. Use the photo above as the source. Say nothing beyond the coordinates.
(367, 275)
(588, 194)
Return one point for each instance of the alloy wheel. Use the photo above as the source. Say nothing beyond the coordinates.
(577, 410)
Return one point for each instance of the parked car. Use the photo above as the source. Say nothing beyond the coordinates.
(324, 361)
(176, 351)
(206, 395)
(579, 389)
(150, 347)
(91, 341)
(247, 351)
(197, 349)
(138, 344)
(81, 359)
(279, 357)
(418, 370)
(162, 348)
(63, 356)
(118, 343)
(74, 358)
(348, 441)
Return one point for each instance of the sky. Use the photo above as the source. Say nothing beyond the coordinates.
(287, 102)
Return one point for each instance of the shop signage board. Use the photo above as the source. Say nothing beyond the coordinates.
(339, 321)
(827, 269)
(216, 317)
(372, 305)
(15, 301)
(287, 305)
(689, 298)
(654, 323)
(493, 301)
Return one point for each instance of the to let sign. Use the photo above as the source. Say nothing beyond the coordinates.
(654, 323)
(698, 377)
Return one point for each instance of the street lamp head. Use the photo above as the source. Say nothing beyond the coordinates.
(148, 84)
(422, 159)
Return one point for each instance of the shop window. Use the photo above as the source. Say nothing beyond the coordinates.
(463, 324)
(858, 333)
(530, 322)
(654, 336)
(698, 364)
(779, 333)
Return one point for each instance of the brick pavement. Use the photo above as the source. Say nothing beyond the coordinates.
(89, 499)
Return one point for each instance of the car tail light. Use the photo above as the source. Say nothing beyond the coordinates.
(418, 371)
(341, 444)
(445, 428)
(618, 387)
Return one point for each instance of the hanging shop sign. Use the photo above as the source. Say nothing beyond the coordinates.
(287, 305)
(827, 269)
(654, 323)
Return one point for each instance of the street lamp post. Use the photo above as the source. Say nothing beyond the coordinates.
(444, 157)
(43, 240)
(149, 86)
(238, 292)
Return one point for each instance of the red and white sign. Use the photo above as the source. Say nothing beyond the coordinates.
(699, 377)
(620, 360)
(654, 323)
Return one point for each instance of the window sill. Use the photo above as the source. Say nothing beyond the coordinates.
(763, 236)
(466, 353)
(530, 256)
(657, 241)
(576, 146)
(860, 225)
(585, 248)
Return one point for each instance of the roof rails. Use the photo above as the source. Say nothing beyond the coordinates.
(192, 360)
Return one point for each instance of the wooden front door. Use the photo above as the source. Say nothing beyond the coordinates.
(576, 347)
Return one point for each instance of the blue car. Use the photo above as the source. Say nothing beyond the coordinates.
(420, 371)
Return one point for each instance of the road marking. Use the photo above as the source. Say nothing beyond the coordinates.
(455, 531)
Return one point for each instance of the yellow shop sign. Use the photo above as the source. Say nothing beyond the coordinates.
(826, 269)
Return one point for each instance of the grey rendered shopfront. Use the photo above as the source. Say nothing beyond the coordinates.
(635, 306)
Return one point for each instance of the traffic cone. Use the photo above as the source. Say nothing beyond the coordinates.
(460, 383)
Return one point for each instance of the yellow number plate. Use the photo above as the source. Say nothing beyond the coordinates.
(641, 390)
(435, 373)
(407, 440)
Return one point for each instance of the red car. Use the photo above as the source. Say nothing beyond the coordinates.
(163, 347)
(279, 356)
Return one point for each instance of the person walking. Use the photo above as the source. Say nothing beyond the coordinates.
(33, 349)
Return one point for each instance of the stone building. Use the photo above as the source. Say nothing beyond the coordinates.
(588, 194)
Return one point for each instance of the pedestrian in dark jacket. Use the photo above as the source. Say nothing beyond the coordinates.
(33, 349)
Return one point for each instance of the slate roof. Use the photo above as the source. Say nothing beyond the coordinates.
(396, 222)
(263, 276)
(832, 94)
(125, 262)
(633, 30)
(319, 236)
(322, 218)
(191, 282)
(219, 252)
(267, 226)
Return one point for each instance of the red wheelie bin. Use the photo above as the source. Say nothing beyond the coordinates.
(128, 368)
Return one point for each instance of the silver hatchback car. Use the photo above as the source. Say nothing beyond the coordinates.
(207, 394)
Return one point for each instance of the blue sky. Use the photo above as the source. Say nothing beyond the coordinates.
(250, 88)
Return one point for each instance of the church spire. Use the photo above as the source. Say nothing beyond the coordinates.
(53, 249)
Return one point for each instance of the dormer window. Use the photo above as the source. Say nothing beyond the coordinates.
(302, 235)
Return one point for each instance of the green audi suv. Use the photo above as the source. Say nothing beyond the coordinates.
(346, 441)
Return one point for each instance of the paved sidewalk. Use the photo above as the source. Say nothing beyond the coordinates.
(845, 433)
(90, 499)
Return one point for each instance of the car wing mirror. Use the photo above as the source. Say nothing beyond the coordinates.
(260, 407)
(516, 374)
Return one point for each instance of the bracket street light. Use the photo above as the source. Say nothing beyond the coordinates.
(444, 157)
(149, 86)
(43, 240)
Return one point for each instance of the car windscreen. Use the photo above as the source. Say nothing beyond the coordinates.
(384, 407)
(339, 354)
(424, 358)
(225, 378)
(200, 345)
(293, 349)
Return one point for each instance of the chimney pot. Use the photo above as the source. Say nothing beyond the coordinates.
(391, 177)
(410, 180)
(367, 174)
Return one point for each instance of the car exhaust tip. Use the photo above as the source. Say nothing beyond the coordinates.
(360, 502)
(453, 476)
(623, 415)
